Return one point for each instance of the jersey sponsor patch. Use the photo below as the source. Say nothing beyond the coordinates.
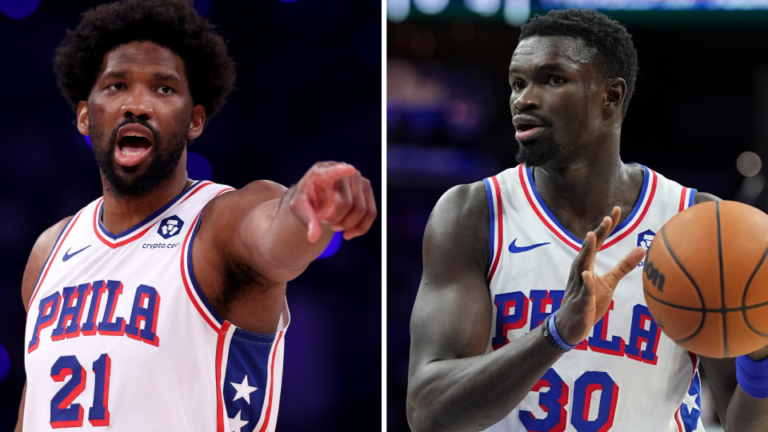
(170, 227)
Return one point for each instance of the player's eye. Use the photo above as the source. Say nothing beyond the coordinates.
(518, 85)
(165, 90)
(556, 80)
(116, 86)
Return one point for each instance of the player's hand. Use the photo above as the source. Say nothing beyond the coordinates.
(335, 194)
(588, 296)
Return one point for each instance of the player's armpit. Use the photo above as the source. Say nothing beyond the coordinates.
(453, 385)
(40, 252)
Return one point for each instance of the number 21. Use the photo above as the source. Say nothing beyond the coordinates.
(66, 414)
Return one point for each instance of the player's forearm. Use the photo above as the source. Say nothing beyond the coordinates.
(746, 413)
(473, 393)
(282, 243)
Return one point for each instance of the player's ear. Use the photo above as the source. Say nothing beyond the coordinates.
(197, 123)
(615, 94)
(82, 118)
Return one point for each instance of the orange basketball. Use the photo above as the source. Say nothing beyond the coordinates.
(706, 280)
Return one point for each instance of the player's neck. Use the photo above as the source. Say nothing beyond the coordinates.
(122, 213)
(585, 190)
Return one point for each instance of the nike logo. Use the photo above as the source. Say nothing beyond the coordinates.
(68, 255)
(517, 249)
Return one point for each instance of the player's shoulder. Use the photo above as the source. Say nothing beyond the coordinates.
(461, 206)
(40, 252)
(252, 193)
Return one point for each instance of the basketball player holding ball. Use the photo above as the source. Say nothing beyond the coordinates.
(161, 306)
(516, 325)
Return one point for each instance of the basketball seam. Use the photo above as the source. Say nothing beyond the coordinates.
(704, 310)
(744, 297)
(698, 291)
(723, 309)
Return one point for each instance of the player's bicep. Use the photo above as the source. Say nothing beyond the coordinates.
(452, 314)
(235, 223)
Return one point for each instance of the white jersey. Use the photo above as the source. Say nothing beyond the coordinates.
(627, 375)
(120, 337)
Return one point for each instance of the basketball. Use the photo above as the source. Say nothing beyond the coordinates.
(706, 281)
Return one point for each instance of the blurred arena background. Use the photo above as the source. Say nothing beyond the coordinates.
(308, 89)
(699, 116)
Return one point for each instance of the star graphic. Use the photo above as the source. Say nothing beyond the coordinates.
(690, 401)
(243, 390)
(235, 424)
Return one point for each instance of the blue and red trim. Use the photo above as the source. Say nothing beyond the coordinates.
(52, 255)
(137, 231)
(497, 223)
(647, 193)
(694, 376)
(190, 282)
(687, 197)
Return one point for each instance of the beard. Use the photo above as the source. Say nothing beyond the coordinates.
(126, 182)
(537, 154)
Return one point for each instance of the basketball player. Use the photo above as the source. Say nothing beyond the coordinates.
(161, 305)
(514, 328)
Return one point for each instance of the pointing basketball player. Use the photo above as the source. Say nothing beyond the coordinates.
(488, 350)
(161, 306)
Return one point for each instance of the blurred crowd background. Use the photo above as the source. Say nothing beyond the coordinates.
(699, 116)
(308, 89)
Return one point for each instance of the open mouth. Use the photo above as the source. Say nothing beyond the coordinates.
(134, 142)
(526, 132)
(527, 127)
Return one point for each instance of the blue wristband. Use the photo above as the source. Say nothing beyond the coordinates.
(752, 376)
(559, 340)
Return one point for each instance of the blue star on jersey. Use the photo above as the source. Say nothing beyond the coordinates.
(170, 227)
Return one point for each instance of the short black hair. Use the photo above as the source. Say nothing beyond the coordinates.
(173, 24)
(616, 56)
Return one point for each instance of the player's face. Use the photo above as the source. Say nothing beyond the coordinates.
(139, 116)
(554, 98)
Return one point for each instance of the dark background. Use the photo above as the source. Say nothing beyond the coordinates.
(700, 101)
(308, 89)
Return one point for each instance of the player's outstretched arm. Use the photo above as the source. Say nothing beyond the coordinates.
(279, 231)
(453, 385)
(738, 411)
(35, 263)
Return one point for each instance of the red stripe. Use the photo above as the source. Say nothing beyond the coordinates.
(196, 190)
(219, 357)
(271, 384)
(642, 215)
(53, 257)
(500, 220)
(541, 217)
(682, 199)
(107, 242)
(184, 253)
(677, 420)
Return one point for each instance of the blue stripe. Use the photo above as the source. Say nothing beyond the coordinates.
(489, 191)
(50, 254)
(192, 273)
(643, 192)
(162, 209)
(529, 174)
(693, 195)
